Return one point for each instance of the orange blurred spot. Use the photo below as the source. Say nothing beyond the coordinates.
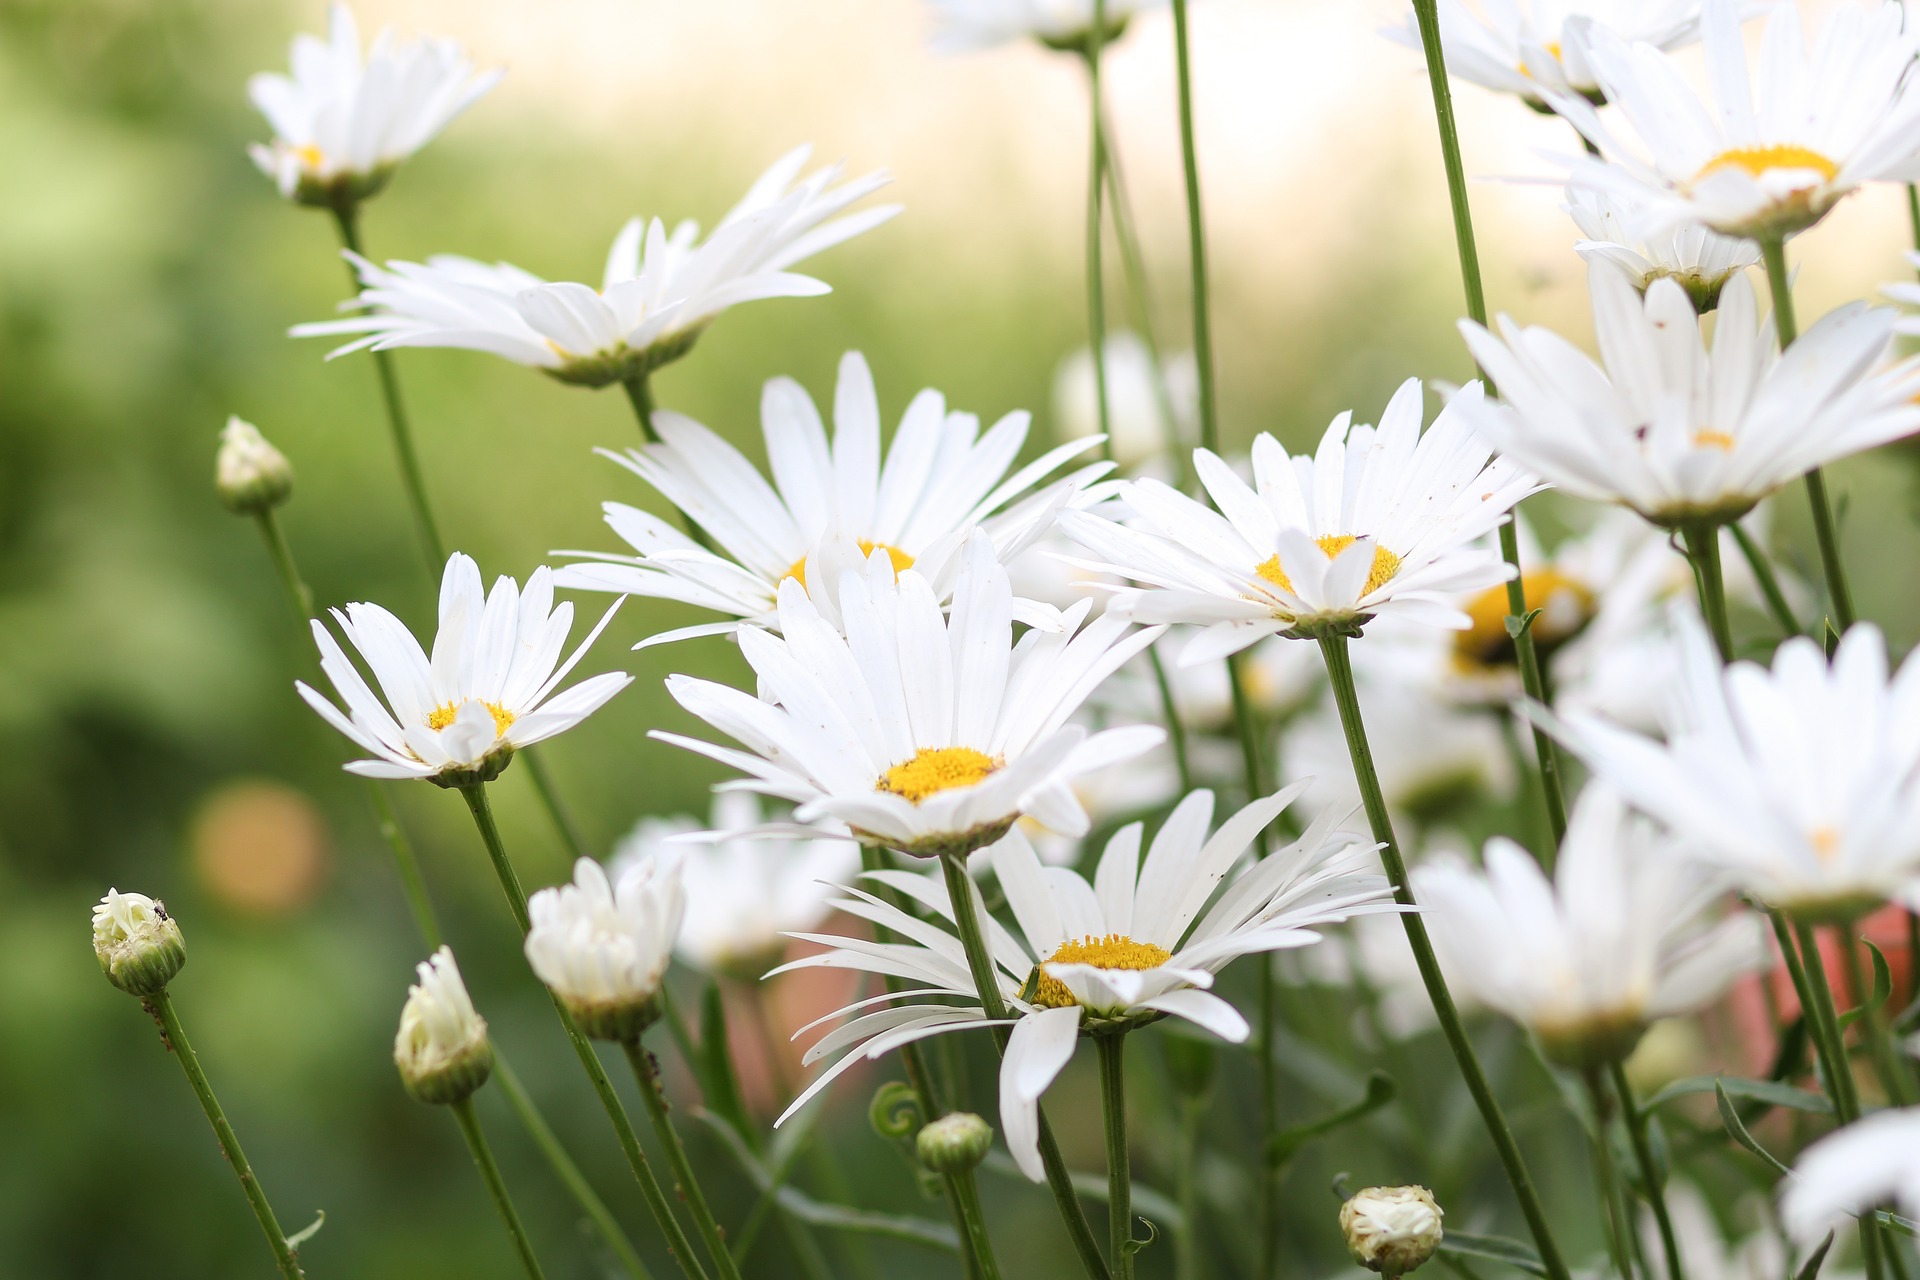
(259, 847)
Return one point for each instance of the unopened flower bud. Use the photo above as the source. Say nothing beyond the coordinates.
(1391, 1230)
(249, 474)
(138, 943)
(442, 1049)
(954, 1143)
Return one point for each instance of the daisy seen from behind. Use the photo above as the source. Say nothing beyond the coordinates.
(1066, 25)
(455, 718)
(1699, 260)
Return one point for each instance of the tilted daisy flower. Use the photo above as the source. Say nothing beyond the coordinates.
(659, 292)
(1698, 260)
(1853, 1171)
(457, 717)
(1530, 47)
(1767, 156)
(1801, 782)
(1378, 522)
(961, 25)
(441, 1048)
(341, 123)
(1624, 933)
(602, 945)
(1685, 430)
(1137, 943)
(830, 506)
(919, 732)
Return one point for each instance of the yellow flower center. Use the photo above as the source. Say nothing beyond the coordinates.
(1385, 563)
(1566, 605)
(900, 559)
(1826, 843)
(310, 156)
(936, 769)
(440, 717)
(1758, 161)
(1708, 438)
(1115, 951)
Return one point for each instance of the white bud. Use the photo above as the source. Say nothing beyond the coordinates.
(441, 1049)
(138, 944)
(603, 948)
(1391, 1230)
(249, 474)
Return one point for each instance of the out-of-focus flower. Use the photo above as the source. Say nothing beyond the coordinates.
(1850, 1172)
(1526, 47)
(1149, 411)
(1767, 156)
(659, 293)
(138, 944)
(1377, 522)
(1391, 1230)
(441, 1048)
(830, 505)
(1621, 936)
(961, 25)
(1705, 1253)
(1698, 260)
(1684, 432)
(743, 894)
(603, 946)
(341, 124)
(250, 475)
(920, 733)
(458, 717)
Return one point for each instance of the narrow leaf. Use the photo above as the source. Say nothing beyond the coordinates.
(1738, 1130)
(1493, 1248)
(1811, 1267)
(1905, 1226)
(1282, 1146)
(309, 1231)
(1770, 1092)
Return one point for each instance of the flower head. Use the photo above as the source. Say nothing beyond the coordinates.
(1852, 1172)
(138, 944)
(457, 717)
(441, 1048)
(1149, 409)
(1391, 1230)
(603, 946)
(1698, 260)
(659, 292)
(962, 25)
(341, 123)
(249, 474)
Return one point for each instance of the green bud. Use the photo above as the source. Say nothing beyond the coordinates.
(955, 1143)
(250, 475)
(138, 944)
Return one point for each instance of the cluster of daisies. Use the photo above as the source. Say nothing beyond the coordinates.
(992, 705)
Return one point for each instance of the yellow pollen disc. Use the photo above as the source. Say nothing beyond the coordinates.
(936, 769)
(1759, 161)
(310, 156)
(1385, 563)
(1707, 438)
(1115, 951)
(901, 560)
(1826, 842)
(1487, 642)
(440, 717)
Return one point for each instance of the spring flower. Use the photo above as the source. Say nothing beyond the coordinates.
(1767, 156)
(341, 124)
(1801, 782)
(138, 944)
(659, 293)
(602, 946)
(441, 1049)
(249, 475)
(1391, 1230)
(457, 718)
(962, 25)
(743, 894)
(1622, 935)
(1698, 260)
(1121, 951)
(1149, 410)
(1378, 522)
(1851, 1172)
(926, 734)
(1683, 430)
(830, 505)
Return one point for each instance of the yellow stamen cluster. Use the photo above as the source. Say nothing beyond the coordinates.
(1708, 438)
(1115, 951)
(900, 559)
(1758, 161)
(1385, 563)
(1826, 843)
(440, 717)
(936, 769)
(1566, 605)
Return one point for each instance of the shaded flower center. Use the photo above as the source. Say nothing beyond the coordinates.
(1825, 842)
(901, 560)
(310, 155)
(1760, 161)
(1566, 605)
(1115, 951)
(1708, 438)
(440, 717)
(1385, 563)
(936, 769)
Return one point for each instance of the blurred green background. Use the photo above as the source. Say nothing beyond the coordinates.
(149, 735)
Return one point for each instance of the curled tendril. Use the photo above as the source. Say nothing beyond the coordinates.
(895, 1110)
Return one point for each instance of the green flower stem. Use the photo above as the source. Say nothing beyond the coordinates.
(174, 1036)
(640, 395)
(654, 1094)
(496, 1186)
(1763, 574)
(1113, 1104)
(1133, 265)
(1096, 270)
(1176, 732)
(980, 964)
(1774, 253)
(678, 1245)
(346, 216)
(1607, 1179)
(1650, 1178)
(425, 919)
(1703, 548)
(299, 595)
(1886, 1059)
(1186, 1245)
(980, 1247)
(1340, 672)
(550, 800)
(1196, 236)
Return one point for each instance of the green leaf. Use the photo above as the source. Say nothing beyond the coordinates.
(1772, 1093)
(1493, 1248)
(1282, 1146)
(1738, 1130)
(1811, 1267)
(1516, 627)
(1882, 989)
(307, 1232)
(717, 1081)
(895, 1110)
(1134, 1244)
(1905, 1226)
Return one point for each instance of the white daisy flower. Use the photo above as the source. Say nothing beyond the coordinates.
(659, 292)
(1801, 782)
(1623, 934)
(922, 733)
(1149, 410)
(1379, 522)
(743, 894)
(1698, 260)
(341, 124)
(1764, 158)
(1530, 47)
(963, 25)
(1123, 950)
(1705, 1251)
(1684, 430)
(602, 946)
(457, 718)
(830, 506)
(441, 1048)
(1853, 1171)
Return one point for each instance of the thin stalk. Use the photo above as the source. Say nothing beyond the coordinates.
(1607, 1180)
(1886, 1059)
(677, 1243)
(1636, 1120)
(640, 395)
(1196, 236)
(1096, 269)
(1774, 253)
(967, 1193)
(980, 964)
(1913, 212)
(1703, 548)
(1340, 672)
(550, 800)
(653, 1093)
(1186, 1187)
(1763, 574)
(1176, 732)
(415, 885)
(1133, 265)
(346, 217)
(174, 1036)
(1113, 1105)
(299, 595)
(496, 1186)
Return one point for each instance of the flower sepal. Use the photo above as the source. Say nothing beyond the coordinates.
(1592, 1043)
(1326, 626)
(1081, 42)
(622, 1021)
(491, 766)
(623, 363)
(944, 844)
(453, 1079)
(341, 192)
